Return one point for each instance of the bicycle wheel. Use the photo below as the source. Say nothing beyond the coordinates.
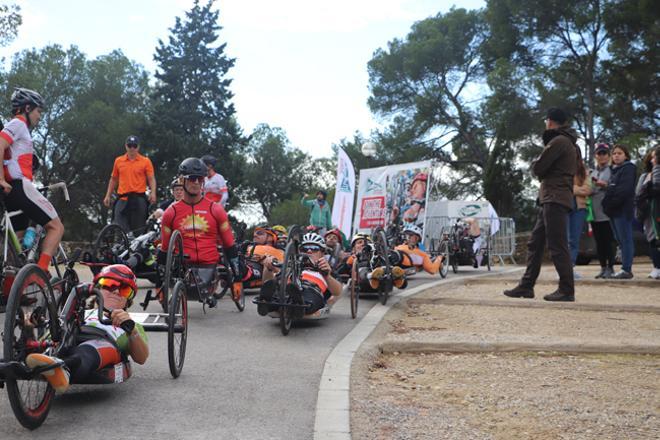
(173, 267)
(30, 324)
(177, 329)
(382, 252)
(109, 245)
(287, 276)
(355, 292)
(443, 251)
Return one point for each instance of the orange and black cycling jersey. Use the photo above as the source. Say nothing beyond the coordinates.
(204, 226)
(264, 250)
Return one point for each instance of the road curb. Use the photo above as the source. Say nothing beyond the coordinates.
(332, 420)
(389, 347)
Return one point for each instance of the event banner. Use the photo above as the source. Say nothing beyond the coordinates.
(342, 208)
(393, 195)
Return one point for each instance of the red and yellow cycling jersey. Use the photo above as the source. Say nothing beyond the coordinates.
(204, 226)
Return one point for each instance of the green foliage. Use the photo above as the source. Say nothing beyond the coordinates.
(10, 21)
(91, 106)
(289, 212)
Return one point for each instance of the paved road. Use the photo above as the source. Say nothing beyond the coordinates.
(241, 380)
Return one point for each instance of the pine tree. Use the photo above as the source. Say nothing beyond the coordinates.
(192, 113)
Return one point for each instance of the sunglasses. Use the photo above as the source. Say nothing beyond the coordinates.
(132, 145)
(602, 153)
(199, 179)
(259, 232)
(310, 249)
(116, 287)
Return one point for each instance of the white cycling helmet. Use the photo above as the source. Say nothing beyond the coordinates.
(313, 238)
(413, 229)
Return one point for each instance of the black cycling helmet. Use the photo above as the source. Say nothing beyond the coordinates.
(209, 160)
(192, 167)
(22, 97)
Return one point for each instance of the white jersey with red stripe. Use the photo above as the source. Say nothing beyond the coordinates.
(215, 189)
(17, 161)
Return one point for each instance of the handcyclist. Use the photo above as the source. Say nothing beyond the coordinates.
(100, 345)
(335, 251)
(370, 268)
(319, 288)
(413, 256)
(215, 186)
(282, 236)
(203, 225)
(16, 174)
(261, 253)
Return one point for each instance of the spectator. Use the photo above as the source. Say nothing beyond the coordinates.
(215, 185)
(618, 205)
(321, 215)
(130, 175)
(644, 209)
(581, 190)
(603, 234)
(555, 168)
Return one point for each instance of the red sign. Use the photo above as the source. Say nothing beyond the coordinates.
(371, 212)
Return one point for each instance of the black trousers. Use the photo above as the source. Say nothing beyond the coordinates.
(550, 227)
(605, 243)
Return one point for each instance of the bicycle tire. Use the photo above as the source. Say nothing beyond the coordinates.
(177, 315)
(288, 273)
(382, 251)
(443, 251)
(355, 291)
(24, 302)
(173, 267)
(111, 242)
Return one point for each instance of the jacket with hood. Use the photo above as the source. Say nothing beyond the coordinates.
(556, 166)
(620, 193)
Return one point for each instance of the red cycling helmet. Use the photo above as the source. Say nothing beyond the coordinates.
(120, 273)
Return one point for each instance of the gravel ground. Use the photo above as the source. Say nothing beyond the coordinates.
(511, 395)
(507, 396)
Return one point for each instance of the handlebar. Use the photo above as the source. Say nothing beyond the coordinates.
(101, 310)
(58, 185)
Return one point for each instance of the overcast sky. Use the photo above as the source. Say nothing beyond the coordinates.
(300, 64)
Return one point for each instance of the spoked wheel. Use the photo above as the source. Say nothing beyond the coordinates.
(355, 293)
(177, 329)
(30, 321)
(382, 251)
(110, 244)
(287, 277)
(173, 267)
(443, 251)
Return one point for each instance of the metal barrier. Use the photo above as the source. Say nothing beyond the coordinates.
(502, 243)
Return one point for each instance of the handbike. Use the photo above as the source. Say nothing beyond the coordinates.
(34, 325)
(207, 284)
(381, 255)
(288, 297)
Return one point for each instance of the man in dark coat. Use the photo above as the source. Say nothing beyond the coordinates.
(555, 168)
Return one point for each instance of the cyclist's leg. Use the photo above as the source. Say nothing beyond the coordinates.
(26, 197)
(313, 299)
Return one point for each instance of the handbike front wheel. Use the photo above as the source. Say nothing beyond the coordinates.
(355, 293)
(287, 276)
(173, 267)
(443, 252)
(30, 322)
(177, 329)
(111, 242)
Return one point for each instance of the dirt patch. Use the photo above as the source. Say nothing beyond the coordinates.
(510, 395)
(507, 396)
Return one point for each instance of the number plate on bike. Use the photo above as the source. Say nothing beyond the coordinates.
(119, 372)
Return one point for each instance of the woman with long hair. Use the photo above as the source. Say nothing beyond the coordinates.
(600, 225)
(581, 190)
(618, 205)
